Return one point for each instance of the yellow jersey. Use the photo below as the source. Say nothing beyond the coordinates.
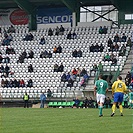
(119, 86)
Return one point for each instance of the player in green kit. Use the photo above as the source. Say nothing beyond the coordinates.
(131, 98)
(100, 89)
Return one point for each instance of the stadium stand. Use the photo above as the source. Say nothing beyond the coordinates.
(43, 76)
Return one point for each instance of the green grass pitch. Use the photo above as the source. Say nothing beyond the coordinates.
(64, 120)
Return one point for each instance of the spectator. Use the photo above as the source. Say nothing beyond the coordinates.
(22, 83)
(83, 72)
(24, 54)
(42, 98)
(45, 54)
(31, 54)
(56, 68)
(70, 83)
(1, 58)
(108, 103)
(116, 38)
(30, 68)
(74, 35)
(2, 83)
(122, 50)
(62, 30)
(95, 68)
(101, 47)
(110, 42)
(64, 77)
(5, 41)
(74, 71)
(86, 77)
(104, 30)
(50, 32)
(6, 59)
(125, 99)
(57, 31)
(68, 76)
(114, 61)
(10, 38)
(124, 38)
(55, 50)
(85, 103)
(69, 35)
(90, 103)
(129, 42)
(59, 49)
(30, 83)
(11, 29)
(128, 78)
(76, 103)
(42, 41)
(74, 53)
(49, 55)
(7, 70)
(82, 83)
(73, 77)
(28, 37)
(49, 93)
(100, 30)
(79, 53)
(107, 57)
(92, 47)
(61, 68)
(2, 69)
(78, 72)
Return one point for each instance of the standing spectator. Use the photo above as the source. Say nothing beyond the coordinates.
(26, 100)
(30, 68)
(42, 98)
(50, 32)
(62, 30)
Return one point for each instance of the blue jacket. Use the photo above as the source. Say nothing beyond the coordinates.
(42, 97)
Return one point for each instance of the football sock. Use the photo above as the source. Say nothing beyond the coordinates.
(113, 108)
(100, 110)
(121, 108)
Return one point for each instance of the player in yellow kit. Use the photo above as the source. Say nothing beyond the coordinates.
(118, 89)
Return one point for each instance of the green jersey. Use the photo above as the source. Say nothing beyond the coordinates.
(101, 86)
(130, 95)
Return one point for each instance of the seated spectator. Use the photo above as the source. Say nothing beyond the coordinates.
(10, 37)
(74, 35)
(22, 83)
(69, 35)
(10, 50)
(1, 58)
(100, 30)
(129, 42)
(2, 69)
(124, 38)
(82, 83)
(95, 68)
(78, 72)
(50, 32)
(91, 103)
(74, 71)
(116, 38)
(101, 47)
(96, 48)
(100, 66)
(30, 68)
(20, 59)
(83, 72)
(128, 79)
(107, 57)
(111, 47)
(86, 77)
(116, 47)
(6, 42)
(57, 31)
(49, 93)
(31, 54)
(64, 77)
(73, 77)
(61, 30)
(49, 55)
(30, 83)
(74, 53)
(85, 103)
(105, 30)
(11, 29)
(114, 61)
(45, 54)
(79, 53)
(61, 68)
(24, 54)
(15, 83)
(28, 37)
(70, 83)
(68, 76)
(2, 83)
(76, 103)
(59, 49)
(6, 60)
(42, 41)
(55, 50)
(92, 47)
(7, 70)
(110, 42)
(56, 68)
(122, 50)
